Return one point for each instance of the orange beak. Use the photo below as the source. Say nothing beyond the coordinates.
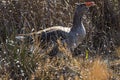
(89, 4)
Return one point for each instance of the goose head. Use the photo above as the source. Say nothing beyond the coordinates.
(82, 8)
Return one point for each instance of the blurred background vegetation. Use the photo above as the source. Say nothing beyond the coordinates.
(25, 16)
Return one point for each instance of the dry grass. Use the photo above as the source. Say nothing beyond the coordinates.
(68, 67)
(118, 51)
(6, 76)
(99, 71)
(63, 67)
(25, 15)
(115, 64)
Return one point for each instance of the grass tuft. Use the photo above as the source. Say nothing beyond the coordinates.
(99, 71)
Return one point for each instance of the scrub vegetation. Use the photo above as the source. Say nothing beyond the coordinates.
(97, 58)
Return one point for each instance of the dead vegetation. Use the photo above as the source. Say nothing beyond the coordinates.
(74, 69)
(98, 58)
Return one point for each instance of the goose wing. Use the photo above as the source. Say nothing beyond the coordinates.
(49, 38)
(48, 35)
(54, 34)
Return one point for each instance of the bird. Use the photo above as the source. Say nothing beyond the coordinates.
(71, 36)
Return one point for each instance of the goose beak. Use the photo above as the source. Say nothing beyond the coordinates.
(89, 4)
